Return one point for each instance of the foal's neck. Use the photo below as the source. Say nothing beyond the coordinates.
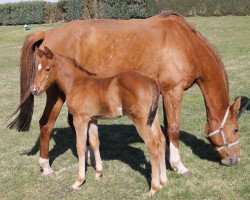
(68, 75)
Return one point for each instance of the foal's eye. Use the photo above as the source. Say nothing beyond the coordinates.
(48, 70)
(236, 130)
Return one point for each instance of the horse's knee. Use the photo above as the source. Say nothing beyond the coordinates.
(173, 132)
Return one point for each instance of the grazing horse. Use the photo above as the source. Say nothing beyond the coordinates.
(164, 47)
(90, 98)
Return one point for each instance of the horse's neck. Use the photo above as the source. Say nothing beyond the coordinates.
(214, 86)
(67, 75)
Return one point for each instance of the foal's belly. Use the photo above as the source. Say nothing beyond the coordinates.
(117, 112)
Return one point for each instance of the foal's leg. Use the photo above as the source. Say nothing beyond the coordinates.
(89, 150)
(162, 149)
(95, 145)
(148, 137)
(53, 106)
(172, 100)
(81, 127)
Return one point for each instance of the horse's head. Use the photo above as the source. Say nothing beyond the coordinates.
(45, 74)
(225, 138)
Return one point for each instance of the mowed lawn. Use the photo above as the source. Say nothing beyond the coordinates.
(127, 173)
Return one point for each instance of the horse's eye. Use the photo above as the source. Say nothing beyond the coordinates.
(236, 130)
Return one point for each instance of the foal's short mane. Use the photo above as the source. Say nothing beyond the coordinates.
(79, 66)
(180, 18)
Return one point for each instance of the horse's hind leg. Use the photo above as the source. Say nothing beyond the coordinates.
(162, 149)
(53, 106)
(150, 140)
(172, 100)
(95, 145)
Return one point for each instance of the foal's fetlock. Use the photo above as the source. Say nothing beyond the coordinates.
(163, 180)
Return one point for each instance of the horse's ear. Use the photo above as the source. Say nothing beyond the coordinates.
(39, 52)
(48, 53)
(236, 105)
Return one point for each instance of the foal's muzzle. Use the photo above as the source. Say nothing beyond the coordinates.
(35, 91)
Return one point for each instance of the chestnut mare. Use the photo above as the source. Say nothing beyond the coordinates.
(90, 98)
(164, 47)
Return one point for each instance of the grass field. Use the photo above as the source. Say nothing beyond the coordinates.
(128, 173)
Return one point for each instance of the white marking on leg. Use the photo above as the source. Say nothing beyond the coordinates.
(44, 164)
(39, 67)
(119, 111)
(175, 160)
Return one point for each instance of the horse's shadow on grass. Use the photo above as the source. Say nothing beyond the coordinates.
(116, 144)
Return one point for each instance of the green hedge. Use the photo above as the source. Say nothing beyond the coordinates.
(67, 10)
(126, 9)
(22, 13)
(72, 9)
(207, 7)
(52, 13)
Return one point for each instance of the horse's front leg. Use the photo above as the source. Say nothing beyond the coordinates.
(172, 100)
(81, 127)
(52, 109)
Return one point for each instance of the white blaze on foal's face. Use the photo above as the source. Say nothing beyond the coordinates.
(39, 67)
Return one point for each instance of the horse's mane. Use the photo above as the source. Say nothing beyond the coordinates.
(79, 66)
(204, 39)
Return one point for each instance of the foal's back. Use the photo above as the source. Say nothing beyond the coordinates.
(129, 93)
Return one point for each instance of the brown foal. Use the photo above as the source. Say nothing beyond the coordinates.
(89, 98)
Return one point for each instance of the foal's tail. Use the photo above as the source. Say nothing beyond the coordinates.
(155, 100)
(27, 63)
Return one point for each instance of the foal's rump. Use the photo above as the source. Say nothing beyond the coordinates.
(139, 95)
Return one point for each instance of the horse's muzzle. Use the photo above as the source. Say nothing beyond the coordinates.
(230, 161)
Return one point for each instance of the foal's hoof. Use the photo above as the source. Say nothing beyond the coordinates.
(151, 192)
(77, 184)
(98, 176)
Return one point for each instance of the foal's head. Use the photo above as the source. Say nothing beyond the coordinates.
(45, 72)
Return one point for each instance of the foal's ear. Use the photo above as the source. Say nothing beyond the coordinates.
(48, 53)
(39, 52)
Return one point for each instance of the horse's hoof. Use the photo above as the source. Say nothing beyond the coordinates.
(48, 173)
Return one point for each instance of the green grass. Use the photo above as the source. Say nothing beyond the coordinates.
(128, 172)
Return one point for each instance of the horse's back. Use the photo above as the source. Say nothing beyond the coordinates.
(160, 46)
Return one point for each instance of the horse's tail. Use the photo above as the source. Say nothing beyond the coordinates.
(155, 101)
(27, 64)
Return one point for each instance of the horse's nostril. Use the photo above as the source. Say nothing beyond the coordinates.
(230, 161)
